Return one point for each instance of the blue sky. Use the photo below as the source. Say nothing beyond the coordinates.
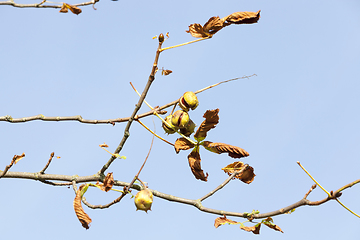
(302, 106)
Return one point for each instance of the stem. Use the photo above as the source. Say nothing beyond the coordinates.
(183, 44)
(313, 179)
(142, 124)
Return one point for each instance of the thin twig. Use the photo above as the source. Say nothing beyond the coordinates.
(244, 168)
(41, 4)
(183, 44)
(48, 163)
(311, 189)
(313, 179)
(137, 108)
(154, 134)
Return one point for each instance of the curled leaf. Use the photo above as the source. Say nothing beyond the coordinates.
(255, 229)
(233, 151)
(242, 18)
(196, 30)
(72, 8)
(84, 219)
(246, 176)
(211, 119)
(166, 72)
(182, 144)
(108, 183)
(194, 163)
(270, 223)
(104, 145)
(17, 158)
(223, 220)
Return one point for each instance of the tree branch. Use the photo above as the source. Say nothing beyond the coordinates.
(41, 4)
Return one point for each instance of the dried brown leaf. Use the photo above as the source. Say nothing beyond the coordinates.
(270, 223)
(194, 163)
(223, 220)
(63, 9)
(242, 18)
(246, 176)
(233, 151)
(17, 158)
(104, 145)
(72, 8)
(166, 72)
(182, 144)
(84, 219)
(108, 183)
(196, 30)
(213, 25)
(211, 119)
(255, 229)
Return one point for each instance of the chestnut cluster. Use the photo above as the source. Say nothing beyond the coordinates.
(181, 119)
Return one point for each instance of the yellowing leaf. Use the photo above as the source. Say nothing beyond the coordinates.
(223, 220)
(211, 119)
(182, 144)
(246, 176)
(233, 151)
(84, 219)
(194, 163)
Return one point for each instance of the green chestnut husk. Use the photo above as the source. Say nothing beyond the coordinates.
(180, 119)
(168, 130)
(143, 200)
(189, 128)
(188, 101)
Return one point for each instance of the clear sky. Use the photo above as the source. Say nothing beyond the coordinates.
(302, 106)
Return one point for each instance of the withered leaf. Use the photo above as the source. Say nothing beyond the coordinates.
(196, 30)
(84, 219)
(182, 144)
(242, 18)
(233, 151)
(63, 9)
(255, 229)
(166, 72)
(194, 163)
(246, 176)
(223, 220)
(211, 119)
(270, 223)
(104, 145)
(17, 158)
(212, 26)
(72, 8)
(108, 182)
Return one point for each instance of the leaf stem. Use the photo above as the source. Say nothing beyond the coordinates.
(183, 44)
(142, 124)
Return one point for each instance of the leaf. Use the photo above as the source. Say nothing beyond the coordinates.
(246, 176)
(211, 119)
(104, 145)
(255, 229)
(84, 219)
(242, 18)
(233, 151)
(223, 220)
(182, 144)
(270, 223)
(166, 72)
(17, 158)
(108, 183)
(72, 8)
(196, 30)
(213, 25)
(194, 163)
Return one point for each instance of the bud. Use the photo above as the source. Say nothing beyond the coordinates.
(180, 119)
(161, 38)
(189, 128)
(167, 129)
(143, 200)
(188, 100)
